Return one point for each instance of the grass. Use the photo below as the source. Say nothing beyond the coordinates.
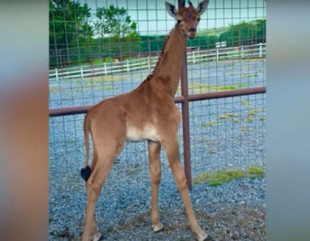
(246, 103)
(228, 116)
(199, 88)
(212, 151)
(211, 123)
(255, 111)
(210, 143)
(101, 61)
(232, 116)
(262, 118)
(105, 78)
(54, 91)
(253, 60)
(220, 177)
(246, 129)
(249, 75)
(249, 119)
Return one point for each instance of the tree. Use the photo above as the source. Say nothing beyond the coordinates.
(245, 33)
(114, 23)
(70, 33)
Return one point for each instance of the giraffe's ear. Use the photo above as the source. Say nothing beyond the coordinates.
(202, 6)
(171, 9)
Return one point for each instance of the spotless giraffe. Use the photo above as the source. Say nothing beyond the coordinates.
(146, 113)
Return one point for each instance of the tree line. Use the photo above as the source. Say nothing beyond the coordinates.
(77, 35)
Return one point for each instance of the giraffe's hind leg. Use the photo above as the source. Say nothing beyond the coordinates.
(108, 140)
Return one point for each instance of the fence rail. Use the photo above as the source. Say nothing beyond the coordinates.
(193, 57)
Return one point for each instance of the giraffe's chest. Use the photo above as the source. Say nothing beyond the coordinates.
(147, 132)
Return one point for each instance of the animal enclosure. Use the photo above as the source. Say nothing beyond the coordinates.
(225, 75)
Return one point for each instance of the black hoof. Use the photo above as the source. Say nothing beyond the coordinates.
(85, 173)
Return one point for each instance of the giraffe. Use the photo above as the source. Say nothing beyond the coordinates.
(146, 113)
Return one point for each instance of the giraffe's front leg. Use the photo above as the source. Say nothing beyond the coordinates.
(170, 145)
(155, 173)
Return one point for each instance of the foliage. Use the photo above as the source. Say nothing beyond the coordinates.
(220, 177)
(115, 22)
(79, 37)
(116, 25)
(70, 33)
(245, 33)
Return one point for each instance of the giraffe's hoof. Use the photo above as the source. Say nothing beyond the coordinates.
(96, 237)
(157, 227)
(206, 237)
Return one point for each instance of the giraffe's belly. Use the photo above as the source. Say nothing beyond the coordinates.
(148, 132)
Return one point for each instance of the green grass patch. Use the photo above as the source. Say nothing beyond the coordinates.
(108, 60)
(255, 111)
(256, 171)
(201, 140)
(54, 91)
(210, 143)
(72, 141)
(220, 177)
(228, 116)
(210, 123)
(233, 54)
(246, 103)
(199, 88)
(235, 120)
(105, 78)
(212, 152)
(252, 60)
(132, 58)
(246, 129)
(262, 118)
(98, 61)
(54, 85)
(249, 119)
(249, 75)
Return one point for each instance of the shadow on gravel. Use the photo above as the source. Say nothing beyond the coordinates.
(230, 223)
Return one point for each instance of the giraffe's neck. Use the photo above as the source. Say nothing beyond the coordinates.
(170, 63)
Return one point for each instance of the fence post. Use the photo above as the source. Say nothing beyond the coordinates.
(194, 60)
(149, 62)
(56, 73)
(185, 119)
(242, 52)
(260, 50)
(127, 64)
(82, 75)
(217, 54)
(105, 68)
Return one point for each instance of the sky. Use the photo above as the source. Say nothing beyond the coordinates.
(152, 18)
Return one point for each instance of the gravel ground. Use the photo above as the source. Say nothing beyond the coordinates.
(233, 211)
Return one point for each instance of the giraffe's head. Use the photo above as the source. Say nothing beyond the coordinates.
(187, 17)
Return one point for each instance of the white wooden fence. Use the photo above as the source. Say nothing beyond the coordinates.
(249, 51)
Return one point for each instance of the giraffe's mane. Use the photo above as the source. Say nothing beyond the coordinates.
(159, 58)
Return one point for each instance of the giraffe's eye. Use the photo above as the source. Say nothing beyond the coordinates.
(198, 19)
(179, 21)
